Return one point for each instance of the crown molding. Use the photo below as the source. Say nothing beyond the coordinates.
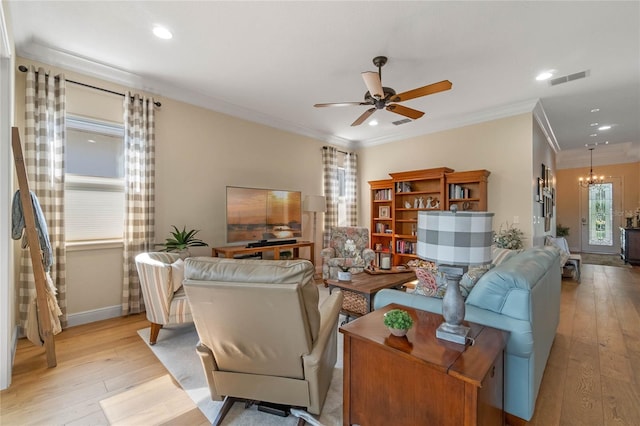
(543, 121)
(65, 60)
(461, 120)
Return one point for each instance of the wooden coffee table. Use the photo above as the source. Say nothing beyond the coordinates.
(360, 291)
(419, 379)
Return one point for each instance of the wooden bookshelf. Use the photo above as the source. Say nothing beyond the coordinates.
(395, 204)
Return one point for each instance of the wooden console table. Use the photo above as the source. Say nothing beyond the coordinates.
(232, 251)
(419, 379)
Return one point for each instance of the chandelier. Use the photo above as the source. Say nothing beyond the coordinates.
(592, 179)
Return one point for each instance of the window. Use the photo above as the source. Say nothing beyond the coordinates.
(601, 214)
(94, 180)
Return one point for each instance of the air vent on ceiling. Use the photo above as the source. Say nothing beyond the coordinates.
(403, 121)
(568, 78)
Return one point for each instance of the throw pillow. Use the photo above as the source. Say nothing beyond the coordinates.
(471, 277)
(177, 274)
(499, 255)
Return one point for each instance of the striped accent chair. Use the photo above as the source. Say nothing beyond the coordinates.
(163, 305)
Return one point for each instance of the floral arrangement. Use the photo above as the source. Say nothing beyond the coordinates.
(510, 238)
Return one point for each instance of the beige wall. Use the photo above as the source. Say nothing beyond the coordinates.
(569, 193)
(198, 153)
(501, 146)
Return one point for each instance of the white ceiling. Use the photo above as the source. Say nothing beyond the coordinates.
(269, 62)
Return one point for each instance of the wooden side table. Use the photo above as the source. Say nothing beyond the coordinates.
(419, 379)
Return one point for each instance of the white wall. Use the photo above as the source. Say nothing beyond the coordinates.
(501, 146)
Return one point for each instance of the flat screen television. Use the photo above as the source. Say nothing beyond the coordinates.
(255, 214)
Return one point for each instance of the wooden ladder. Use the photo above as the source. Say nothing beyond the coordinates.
(44, 318)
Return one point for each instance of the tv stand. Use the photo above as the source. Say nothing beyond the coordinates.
(265, 243)
(234, 251)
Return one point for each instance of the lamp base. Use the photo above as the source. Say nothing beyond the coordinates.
(453, 333)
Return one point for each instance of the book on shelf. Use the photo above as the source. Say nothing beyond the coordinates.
(382, 228)
(383, 195)
(405, 247)
(457, 191)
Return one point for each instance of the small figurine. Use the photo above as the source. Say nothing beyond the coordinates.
(429, 201)
(407, 205)
(416, 203)
(437, 204)
(421, 203)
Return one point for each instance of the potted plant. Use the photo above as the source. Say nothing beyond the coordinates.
(344, 274)
(562, 231)
(398, 321)
(181, 241)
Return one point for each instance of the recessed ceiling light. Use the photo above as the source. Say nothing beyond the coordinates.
(373, 123)
(593, 124)
(593, 135)
(595, 110)
(546, 75)
(162, 32)
(91, 141)
(604, 127)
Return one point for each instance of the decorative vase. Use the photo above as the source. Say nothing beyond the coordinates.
(397, 331)
(344, 276)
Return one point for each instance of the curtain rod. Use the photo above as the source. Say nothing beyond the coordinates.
(25, 69)
(341, 152)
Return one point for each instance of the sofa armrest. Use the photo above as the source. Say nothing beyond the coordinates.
(327, 253)
(319, 364)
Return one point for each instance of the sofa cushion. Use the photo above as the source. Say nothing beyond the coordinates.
(506, 288)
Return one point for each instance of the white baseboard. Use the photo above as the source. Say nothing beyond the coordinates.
(94, 315)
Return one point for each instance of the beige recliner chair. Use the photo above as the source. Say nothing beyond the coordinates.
(262, 335)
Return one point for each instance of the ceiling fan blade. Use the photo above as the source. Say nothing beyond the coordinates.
(374, 85)
(341, 104)
(403, 110)
(363, 117)
(422, 91)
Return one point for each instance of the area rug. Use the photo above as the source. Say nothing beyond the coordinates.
(175, 348)
(603, 259)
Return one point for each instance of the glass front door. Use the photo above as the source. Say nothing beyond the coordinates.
(599, 204)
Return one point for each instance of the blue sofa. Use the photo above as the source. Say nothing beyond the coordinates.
(522, 296)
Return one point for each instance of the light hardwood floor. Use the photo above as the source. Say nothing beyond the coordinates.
(107, 375)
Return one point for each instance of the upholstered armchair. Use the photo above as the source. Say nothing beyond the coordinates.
(348, 247)
(263, 337)
(161, 276)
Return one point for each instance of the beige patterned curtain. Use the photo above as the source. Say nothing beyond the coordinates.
(331, 190)
(139, 175)
(351, 188)
(44, 161)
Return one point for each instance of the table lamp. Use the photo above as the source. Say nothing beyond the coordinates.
(454, 241)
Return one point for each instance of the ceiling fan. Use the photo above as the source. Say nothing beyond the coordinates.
(385, 97)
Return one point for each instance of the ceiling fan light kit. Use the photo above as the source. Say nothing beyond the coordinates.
(380, 97)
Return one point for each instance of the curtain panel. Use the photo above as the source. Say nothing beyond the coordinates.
(351, 188)
(139, 174)
(45, 104)
(331, 191)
